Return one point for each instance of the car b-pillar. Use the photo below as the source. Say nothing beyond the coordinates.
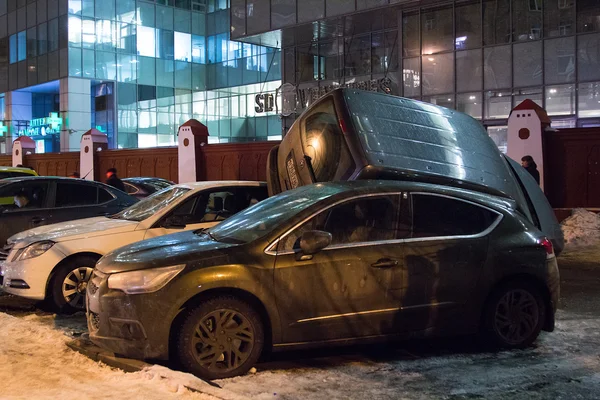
(22, 146)
(93, 142)
(192, 137)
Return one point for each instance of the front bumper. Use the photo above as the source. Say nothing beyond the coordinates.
(135, 326)
(29, 278)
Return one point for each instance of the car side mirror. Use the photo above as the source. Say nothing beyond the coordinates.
(312, 242)
(174, 222)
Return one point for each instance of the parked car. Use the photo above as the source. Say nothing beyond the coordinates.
(15, 172)
(336, 262)
(55, 262)
(30, 202)
(144, 187)
(351, 134)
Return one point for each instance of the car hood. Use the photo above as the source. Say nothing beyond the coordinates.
(72, 230)
(164, 251)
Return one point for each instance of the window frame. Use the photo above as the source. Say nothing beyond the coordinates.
(48, 200)
(96, 204)
(485, 232)
(272, 248)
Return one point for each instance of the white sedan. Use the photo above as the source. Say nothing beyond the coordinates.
(55, 262)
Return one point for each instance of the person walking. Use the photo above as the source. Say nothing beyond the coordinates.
(531, 167)
(113, 180)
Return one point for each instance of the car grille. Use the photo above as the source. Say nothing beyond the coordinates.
(5, 252)
(94, 320)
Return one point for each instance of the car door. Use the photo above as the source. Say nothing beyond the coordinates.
(443, 259)
(204, 209)
(341, 291)
(76, 200)
(36, 212)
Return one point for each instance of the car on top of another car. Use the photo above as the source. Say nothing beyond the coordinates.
(55, 262)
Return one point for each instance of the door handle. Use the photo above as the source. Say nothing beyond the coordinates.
(385, 263)
(37, 220)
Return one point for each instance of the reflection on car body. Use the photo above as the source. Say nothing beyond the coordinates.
(328, 263)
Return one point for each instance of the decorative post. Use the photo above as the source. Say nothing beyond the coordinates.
(526, 125)
(92, 142)
(192, 136)
(22, 146)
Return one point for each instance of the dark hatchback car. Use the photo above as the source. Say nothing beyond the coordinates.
(144, 187)
(323, 264)
(47, 200)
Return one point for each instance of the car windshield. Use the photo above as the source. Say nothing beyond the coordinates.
(151, 205)
(262, 218)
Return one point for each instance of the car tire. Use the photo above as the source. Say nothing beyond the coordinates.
(220, 338)
(514, 316)
(69, 283)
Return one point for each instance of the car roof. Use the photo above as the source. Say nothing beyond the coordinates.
(18, 169)
(216, 184)
(368, 186)
(142, 179)
(50, 178)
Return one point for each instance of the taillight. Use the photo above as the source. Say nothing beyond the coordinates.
(547, 245)
(343, 126)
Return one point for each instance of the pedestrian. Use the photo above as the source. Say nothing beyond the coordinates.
(75, 175)
(113, 180)
(531, 167)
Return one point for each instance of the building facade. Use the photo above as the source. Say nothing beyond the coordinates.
(481, 57)
(133, 69)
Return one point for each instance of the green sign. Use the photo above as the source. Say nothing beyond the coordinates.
(43, 126)
(3, 129)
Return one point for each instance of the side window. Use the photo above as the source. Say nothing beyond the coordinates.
(104, 196)
(29, 195)
(130, 189)
(74, 194)
(435, 216)
(368, 219)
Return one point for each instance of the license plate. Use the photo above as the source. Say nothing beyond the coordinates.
(292, 174)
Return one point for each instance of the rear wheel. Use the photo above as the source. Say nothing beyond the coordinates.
(514, 315)
(69, 284)
(221, 338)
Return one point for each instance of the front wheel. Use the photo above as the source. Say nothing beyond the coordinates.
(220, 338)
(69, 284)
(514, 315)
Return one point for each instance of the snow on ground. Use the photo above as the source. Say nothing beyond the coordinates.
(566, 362)
(35, 363)
(582, 228)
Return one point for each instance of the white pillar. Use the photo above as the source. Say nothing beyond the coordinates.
(75, 110)
(192, 136)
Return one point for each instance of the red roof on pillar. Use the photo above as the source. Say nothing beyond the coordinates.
(197, 127)
(97, 136)
(529, 104)
(26, 142)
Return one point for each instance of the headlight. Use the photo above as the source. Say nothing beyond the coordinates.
(145, 280)
(33, 250)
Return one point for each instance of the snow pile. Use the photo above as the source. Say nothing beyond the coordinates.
(35, 363)
(582, 228)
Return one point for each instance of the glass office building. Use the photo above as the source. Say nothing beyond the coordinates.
(132, 69)
(481, 57)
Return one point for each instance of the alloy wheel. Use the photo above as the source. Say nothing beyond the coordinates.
(517, 316)
(74, 286)
(223, 340)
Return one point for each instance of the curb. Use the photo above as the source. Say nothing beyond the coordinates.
(94, 352)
